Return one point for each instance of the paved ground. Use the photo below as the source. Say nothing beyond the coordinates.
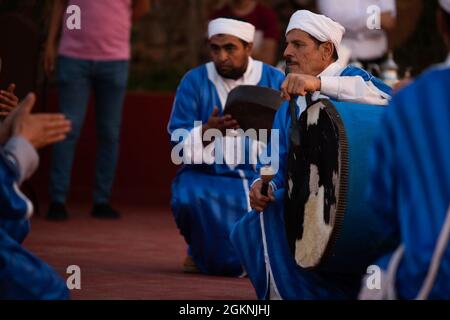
(137, 257)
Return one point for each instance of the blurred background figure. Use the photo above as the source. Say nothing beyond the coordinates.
(366, 45)
(265, 20)
(410, 185)
(94, 57)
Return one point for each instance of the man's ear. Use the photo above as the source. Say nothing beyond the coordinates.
(250, 48)
(327, 49)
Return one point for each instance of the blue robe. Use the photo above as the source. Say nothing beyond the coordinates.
(207, 199)
(410, 185)
(260, 237)
(22, 275)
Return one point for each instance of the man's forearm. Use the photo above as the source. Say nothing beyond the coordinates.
(353, 89)
(55, 20)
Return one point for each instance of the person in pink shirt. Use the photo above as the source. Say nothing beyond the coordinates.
(92, 56)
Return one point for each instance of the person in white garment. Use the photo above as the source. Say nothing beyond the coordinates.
(259, 238)
(409, 186)
(208, 197)
(366, 23)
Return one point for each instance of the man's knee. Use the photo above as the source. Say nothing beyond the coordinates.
(15, 229)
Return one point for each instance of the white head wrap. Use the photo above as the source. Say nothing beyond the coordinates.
(242, 30)
(445, 4)
(318, 26)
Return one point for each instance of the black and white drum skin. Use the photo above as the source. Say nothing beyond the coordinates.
(328, 224)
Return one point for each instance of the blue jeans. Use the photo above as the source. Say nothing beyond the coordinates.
(108, 81)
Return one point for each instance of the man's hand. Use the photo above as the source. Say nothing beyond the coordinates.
(8, 100)
(39, 129)
(259, 202)
(221, 123)
(299, 84)
(49, 58)
(58, 11)
(7, 125)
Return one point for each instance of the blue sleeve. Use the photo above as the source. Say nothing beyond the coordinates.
(13, 204)
(278, 76)
(185, 108)
(272, 78)
(381, 190)
(352, 71)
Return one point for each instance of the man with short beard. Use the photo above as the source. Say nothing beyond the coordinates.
(207, 199)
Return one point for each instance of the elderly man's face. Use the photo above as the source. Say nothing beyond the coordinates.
(303, 55)
(230, 55)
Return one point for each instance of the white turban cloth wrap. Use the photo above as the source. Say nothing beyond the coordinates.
(240, 29)
(445, 4)
(318, 26)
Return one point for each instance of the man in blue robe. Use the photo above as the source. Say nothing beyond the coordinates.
(22, 275)
(410, 186)
(208, 195)
(259, 238)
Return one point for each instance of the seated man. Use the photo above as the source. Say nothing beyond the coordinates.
(22, 275)
(265, 20)
(311, 55)
(209, 197)
(410, 185)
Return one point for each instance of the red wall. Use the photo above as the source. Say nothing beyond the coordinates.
(144, 172)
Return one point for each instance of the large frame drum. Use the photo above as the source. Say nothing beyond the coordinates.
(253, 107)
(328, 224)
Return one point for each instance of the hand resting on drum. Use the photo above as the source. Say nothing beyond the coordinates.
(259, 202)
(299, 85)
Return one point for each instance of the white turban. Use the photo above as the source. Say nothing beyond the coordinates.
(318, 26)
(445, 4)
(240, 29)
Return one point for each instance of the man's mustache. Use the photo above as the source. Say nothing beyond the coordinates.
(290, 61)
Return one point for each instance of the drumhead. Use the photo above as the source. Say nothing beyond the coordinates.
(317, 183)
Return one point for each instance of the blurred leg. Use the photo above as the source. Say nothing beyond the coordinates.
(110, 82)
(15, 229)
(73, 88)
